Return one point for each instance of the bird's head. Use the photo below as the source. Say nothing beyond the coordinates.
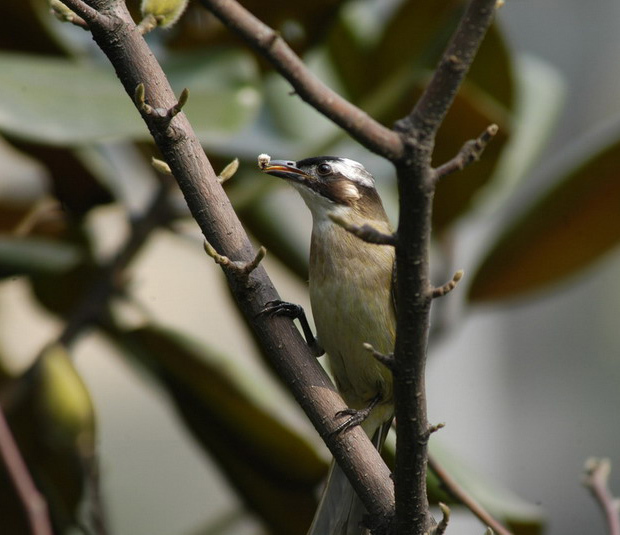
(331, 186)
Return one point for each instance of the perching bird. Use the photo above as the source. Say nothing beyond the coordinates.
(351, 293)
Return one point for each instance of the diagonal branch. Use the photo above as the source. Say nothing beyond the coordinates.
(272, 47)
(116, 35)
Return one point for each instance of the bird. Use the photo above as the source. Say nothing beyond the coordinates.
(351, 286)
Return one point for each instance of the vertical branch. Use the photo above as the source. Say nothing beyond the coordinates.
(34, 504)
(416, 184)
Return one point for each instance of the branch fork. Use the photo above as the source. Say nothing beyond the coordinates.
(365, 232)
(386, 360)
(160, 114)
(241, 270)
(470, 152)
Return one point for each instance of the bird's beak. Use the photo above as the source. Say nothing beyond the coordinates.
(284, 169)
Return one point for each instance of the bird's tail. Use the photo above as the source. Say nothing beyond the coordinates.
(340, 511)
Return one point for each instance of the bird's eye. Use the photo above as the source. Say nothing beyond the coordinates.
(324, 169)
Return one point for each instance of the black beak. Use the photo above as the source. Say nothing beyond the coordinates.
(284, 169)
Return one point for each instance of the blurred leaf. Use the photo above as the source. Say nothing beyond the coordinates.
(62, 102)
(60, 291)
(21, 29)
(31, 256)
(52, 418)
(123, 170)
(72, 182)
(541, 91)
(23, 183)
(272, 468)
(468, 117)
(521, 517)
(412, 27)
(564, 231)
(302, 24)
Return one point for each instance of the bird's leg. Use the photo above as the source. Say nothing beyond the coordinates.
(356, 416)
(291, 310)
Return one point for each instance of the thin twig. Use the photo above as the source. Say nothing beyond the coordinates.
(469, 153)
(272, 47)
(460, 494)
(442, 526)
(64, 14)
(448, 286)
(82, 9)
(596, 479)
(386, 360)
(365, 232)
(33, 502)
(239, 269)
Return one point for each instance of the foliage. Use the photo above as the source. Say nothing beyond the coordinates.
(63, 112)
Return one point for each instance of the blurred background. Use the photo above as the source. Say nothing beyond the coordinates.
(157, 413)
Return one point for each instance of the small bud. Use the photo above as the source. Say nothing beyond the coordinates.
(166, 12)
(61, 11)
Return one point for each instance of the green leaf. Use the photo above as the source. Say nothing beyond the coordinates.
(63, 102)
(225, 407)
(52, 417)
(31, 256)
(567, 229)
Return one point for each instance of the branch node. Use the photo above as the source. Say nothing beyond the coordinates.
(64, 14)
(239, 269)
(386, 360)
(228, 171)
(365, 232)
(434, 428)
(442, 526)
(448, 286)
(161, 114)
(469, 153)
(76, 12)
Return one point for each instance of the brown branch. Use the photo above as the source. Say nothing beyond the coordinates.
(597, 475)
(134, 63)
(414, 292)
(272, 47)
(33, 502)
(469, 153)
(459, 493)
(365, 232)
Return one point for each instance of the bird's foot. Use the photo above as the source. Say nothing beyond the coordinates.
(355, 416)
(296, 312)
